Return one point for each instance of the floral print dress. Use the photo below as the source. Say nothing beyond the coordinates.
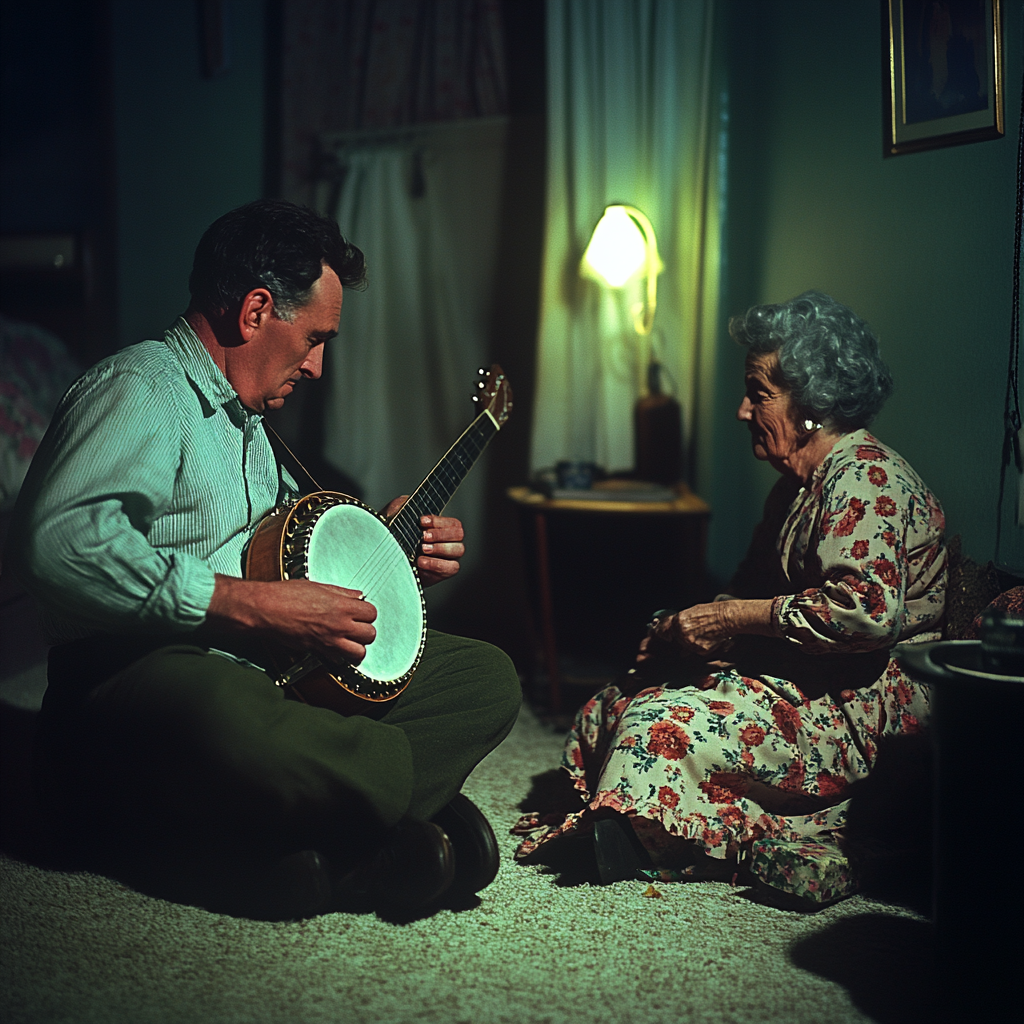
(855, 562)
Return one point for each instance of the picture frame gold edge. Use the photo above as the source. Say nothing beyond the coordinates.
(945, 141)
(888, 80)
(890, 147)
(998, 70)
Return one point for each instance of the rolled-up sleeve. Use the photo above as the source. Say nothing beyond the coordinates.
(104, 473)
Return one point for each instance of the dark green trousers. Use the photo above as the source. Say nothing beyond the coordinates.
(183, 746)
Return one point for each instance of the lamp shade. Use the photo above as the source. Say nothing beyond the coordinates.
(617, 248)
(623, 245)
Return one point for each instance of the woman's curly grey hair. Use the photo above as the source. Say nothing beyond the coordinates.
(828, 357)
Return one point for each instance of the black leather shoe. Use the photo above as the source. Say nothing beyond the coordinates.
(412, 870)
(299, 886)
(476, 848)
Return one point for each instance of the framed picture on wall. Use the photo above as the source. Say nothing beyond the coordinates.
(944, 71)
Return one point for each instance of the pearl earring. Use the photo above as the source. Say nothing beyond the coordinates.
(810, 426)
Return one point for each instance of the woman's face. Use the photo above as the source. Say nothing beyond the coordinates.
(769, 411)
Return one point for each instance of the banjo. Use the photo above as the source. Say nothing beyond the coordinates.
(328, 537)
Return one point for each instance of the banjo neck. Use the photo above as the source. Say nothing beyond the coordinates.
(442, 482)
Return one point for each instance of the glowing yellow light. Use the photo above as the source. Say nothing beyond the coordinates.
(617, 249)
(623, 244)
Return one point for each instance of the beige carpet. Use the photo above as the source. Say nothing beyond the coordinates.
(80, 948)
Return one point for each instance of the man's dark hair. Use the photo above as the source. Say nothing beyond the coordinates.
(270, 244)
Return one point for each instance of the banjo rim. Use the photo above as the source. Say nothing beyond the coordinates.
(292, 530)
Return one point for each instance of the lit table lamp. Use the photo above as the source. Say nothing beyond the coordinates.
(623, 246)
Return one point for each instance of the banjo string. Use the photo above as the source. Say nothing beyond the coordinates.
(383, 567)
(378, 567)
(381, 549)
(377, 557)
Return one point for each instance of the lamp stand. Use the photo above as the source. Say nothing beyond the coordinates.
(657, 433)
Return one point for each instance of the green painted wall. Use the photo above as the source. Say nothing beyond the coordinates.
(189, 148)
(920, 245)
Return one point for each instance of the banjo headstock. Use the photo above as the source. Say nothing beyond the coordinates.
(494, 394)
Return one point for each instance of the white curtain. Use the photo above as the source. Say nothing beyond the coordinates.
(423, 205)
(633, 117)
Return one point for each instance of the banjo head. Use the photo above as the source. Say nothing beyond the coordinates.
(337, 539)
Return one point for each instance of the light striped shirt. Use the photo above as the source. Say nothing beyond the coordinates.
(150, 479)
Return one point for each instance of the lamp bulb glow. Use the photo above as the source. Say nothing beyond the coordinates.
(617, 249)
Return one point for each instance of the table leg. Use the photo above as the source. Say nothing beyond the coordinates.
(547, 614)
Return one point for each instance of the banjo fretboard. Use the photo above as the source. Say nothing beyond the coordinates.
(441, 483)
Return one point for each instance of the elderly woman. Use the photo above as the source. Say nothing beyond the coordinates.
(763, 706)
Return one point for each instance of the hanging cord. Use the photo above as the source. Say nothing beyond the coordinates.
(1011, 408)
(275, 436)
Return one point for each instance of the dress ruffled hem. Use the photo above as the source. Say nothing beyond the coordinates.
(538, 830)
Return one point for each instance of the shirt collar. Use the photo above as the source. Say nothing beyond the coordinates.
(205, 375)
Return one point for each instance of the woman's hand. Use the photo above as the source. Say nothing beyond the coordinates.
(705, 628)
(697, 630)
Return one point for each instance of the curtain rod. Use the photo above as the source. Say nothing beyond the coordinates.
(333, 147)
(382, 136)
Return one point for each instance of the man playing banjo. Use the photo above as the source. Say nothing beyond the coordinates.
(163, 738)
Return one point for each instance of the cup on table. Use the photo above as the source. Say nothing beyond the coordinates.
(575, 476)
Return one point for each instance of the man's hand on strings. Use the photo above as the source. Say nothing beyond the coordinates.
(441, 547)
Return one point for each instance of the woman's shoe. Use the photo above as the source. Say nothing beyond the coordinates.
(620, 854)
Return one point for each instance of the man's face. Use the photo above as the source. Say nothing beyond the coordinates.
(265, 370)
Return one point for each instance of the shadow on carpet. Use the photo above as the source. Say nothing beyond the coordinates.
(884, 962)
